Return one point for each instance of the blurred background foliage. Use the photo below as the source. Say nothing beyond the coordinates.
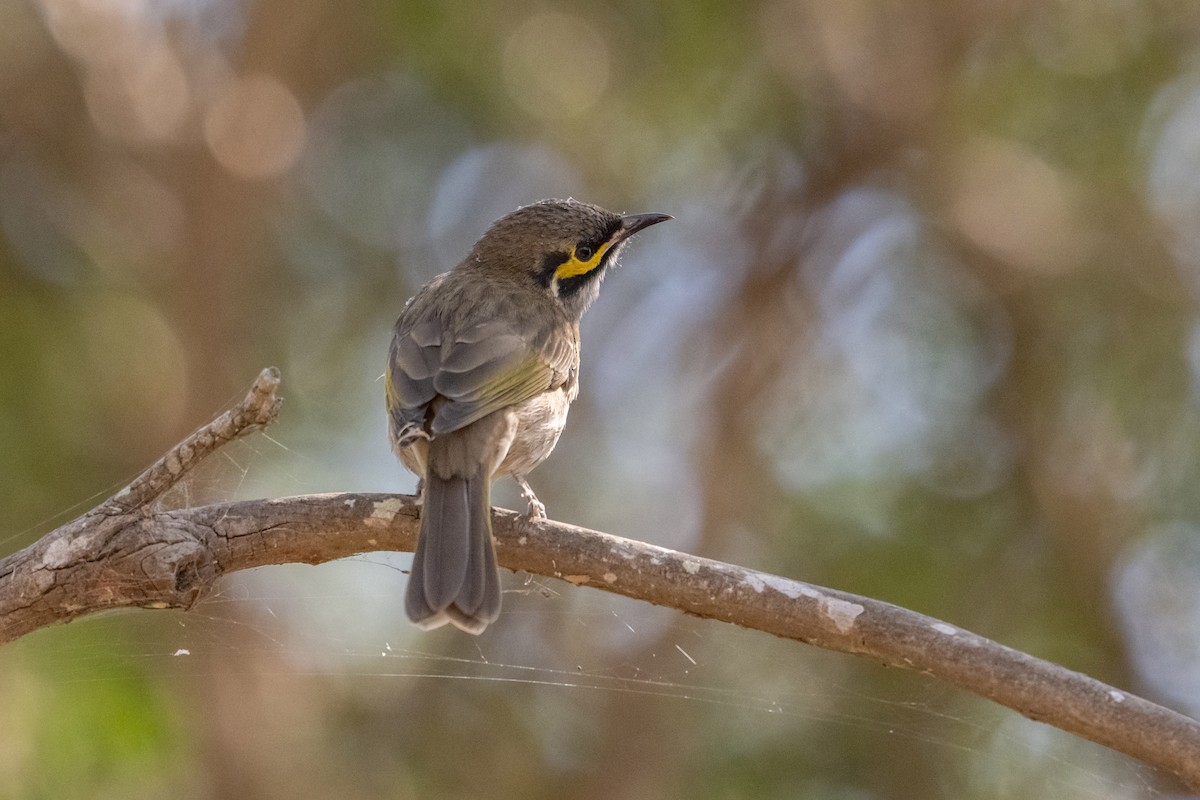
(924, 328)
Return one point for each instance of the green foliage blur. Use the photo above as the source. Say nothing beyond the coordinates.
(924, 328)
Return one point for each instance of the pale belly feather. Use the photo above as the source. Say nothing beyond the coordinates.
(538, 424)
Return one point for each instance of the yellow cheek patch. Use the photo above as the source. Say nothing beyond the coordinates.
(574, 266)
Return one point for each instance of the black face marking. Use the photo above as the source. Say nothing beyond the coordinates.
(584, 250)
(588, 247)
(593, 244)
(550, 263)
(569, 286)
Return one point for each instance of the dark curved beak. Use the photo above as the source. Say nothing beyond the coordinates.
(636, 222)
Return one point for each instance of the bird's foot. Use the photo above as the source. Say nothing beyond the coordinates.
(537, 509)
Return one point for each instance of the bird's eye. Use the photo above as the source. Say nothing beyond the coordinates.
(583, 253)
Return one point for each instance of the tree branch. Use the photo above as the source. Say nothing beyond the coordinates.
(123, 555)
(257, 410)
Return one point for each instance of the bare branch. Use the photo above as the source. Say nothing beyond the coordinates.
(167, 559)
(257, 410)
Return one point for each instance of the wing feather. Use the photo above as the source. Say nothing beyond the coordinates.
(480, 369)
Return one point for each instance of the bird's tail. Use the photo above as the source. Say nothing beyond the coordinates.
(454, 576)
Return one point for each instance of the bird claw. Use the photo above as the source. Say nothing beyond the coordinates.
(537, 509)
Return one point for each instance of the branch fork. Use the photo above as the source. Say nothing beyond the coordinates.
(123, 554)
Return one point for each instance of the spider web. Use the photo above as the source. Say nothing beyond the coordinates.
(572, 658)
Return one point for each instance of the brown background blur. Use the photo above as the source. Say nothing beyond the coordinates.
(924, 328)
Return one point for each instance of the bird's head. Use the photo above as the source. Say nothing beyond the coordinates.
(563, 246)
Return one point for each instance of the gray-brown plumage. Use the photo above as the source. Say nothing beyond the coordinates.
(484, 364)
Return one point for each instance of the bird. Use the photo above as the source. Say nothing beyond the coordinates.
(482, 368)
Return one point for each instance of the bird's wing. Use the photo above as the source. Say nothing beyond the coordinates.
(475, 371)
(413, 360)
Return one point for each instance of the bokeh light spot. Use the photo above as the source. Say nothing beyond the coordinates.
(556, 65)
(1173, 171)
(1018, 207)
(134, 84)
(374, 150)
(143, 97)
(1158, 606)
(255, 128)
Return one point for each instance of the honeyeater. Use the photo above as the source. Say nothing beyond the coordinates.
(483, 365)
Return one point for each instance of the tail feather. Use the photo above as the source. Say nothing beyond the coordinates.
(454, 576)
(446, 529)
